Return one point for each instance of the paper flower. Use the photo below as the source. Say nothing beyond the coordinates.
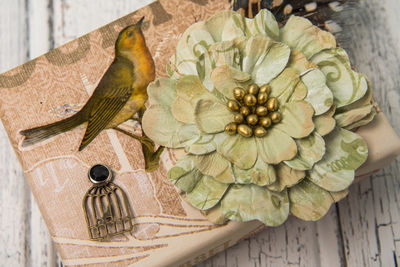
(264, 115)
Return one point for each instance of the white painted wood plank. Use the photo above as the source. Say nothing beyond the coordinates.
(14, 192)
(42, 249)
(74, 18)
(370, 216)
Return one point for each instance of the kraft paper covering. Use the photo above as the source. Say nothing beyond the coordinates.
(167, 231)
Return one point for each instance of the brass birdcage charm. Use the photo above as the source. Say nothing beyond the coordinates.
(105, 205)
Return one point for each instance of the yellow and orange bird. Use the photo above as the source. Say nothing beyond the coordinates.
(121, 93)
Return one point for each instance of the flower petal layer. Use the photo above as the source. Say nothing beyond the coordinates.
(319, 95)
(325, 123)
(308, 201)
(239, 150)
(345, 152)
(286, 177)
(215, 165)
(311, 149)
(283, 86)
(276, 147)
(264, 23)
(296, 119)
(212, 116)
(249, 202)
(204, 144)
(300, 34)
(226, 78)
(260, 174)
(158, 122)
(346, 85)
(299, 62)
(207, 193)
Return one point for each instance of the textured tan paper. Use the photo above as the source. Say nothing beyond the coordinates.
(167, 231)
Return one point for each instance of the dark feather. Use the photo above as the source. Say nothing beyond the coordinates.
(330, 15)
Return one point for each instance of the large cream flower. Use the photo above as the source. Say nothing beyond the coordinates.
(264, 115)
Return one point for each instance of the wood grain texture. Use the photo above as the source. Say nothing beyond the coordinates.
(362, 230)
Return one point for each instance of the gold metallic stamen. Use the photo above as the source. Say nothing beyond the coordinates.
(244, 111)
(261, 111)
(253, 89)
(262, 98)
(231, 128)
(265, 122)
(244, 130)
(239, 93)
(272, 104)
(252, 119)
(250, 100)
(238, 118)
(260, 131)
(265, 89)
(233, 105)
(275, 117)
(253, 111)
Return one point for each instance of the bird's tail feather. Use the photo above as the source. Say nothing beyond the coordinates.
(38, 134)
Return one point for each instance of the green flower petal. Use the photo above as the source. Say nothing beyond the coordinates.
(283, 86)
(345, 152)
(346, 85)
(319, 95)
(296, 119)
(183, 111)
(215, 215)
(192, 56)
(356, 114)
(214, 165)
(367, 119)
(311, 149)
(337, 196)
(189, 89)
(286, 177)
(226, 78)
(162, 92)
(299, 62)
(276, 147)
(183, 166)
(264, 23)
(225, 25)
(207, 193)
(308, 201)
(188, 181)
(239, 150)
(260, 174)
(212, 116)
(266, 66)
(325, 123)
(183, 174)
(349, 117)
(300, 34)
(158, 122)
(225, 53)
(299, 92)
(204, 144)
(249, 202)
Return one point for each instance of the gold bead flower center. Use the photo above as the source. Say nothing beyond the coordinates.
(254, 111)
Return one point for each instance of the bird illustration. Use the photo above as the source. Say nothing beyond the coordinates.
(120, 94)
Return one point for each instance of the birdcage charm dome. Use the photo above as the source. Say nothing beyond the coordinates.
(105, 206)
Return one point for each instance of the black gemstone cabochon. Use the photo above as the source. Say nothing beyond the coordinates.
(99, 173)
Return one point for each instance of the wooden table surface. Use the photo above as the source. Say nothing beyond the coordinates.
(362, 230)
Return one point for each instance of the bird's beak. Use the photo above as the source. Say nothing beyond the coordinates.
(140, 22)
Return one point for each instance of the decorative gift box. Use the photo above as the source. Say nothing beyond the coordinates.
(166, 229)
